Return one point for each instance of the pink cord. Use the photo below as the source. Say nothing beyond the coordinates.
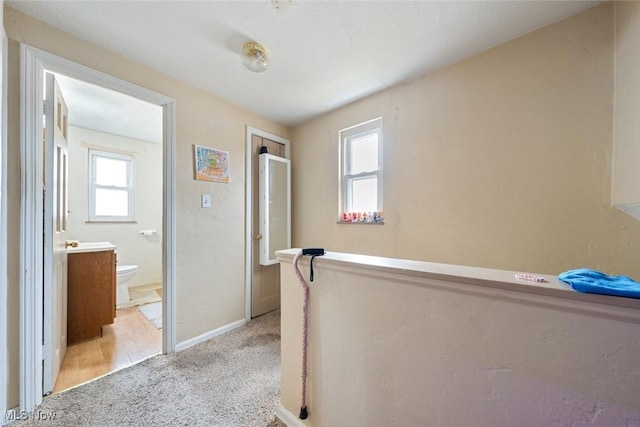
(305, 323)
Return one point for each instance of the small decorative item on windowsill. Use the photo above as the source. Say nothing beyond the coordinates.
(374, 217)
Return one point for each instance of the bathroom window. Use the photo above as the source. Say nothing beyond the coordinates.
(110, 187)
(361, 172)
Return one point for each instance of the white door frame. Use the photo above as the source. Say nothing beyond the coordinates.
(33, 63)
(4, 356)
(248, 222)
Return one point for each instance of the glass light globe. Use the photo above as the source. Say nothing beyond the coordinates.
(255, 57)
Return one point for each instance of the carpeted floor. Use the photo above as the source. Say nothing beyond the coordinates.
(229, 381)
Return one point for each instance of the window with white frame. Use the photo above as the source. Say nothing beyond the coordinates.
(361, 172)
(110, 186)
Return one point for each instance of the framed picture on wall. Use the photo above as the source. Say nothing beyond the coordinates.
(211, 164)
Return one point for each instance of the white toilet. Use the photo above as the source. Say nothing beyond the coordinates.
(124, 274)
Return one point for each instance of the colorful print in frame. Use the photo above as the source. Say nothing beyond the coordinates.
(211, 164)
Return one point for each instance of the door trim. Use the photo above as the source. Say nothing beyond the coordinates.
(31, 231)
(4, 353)
(33, 62)
(248, 253)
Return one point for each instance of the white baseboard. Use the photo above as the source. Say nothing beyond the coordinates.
(288, 418)
(208, 335)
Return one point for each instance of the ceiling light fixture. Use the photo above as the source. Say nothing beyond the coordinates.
(255, 57)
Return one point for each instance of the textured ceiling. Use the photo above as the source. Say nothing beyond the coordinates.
(103, 110)
(324, 54)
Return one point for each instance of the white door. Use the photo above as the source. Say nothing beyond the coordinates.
(55, 227)
(265, 283)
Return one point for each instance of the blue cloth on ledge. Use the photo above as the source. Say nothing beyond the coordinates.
(595, 282)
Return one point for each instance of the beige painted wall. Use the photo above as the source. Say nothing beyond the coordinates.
(502, 160)
(626, 148)
(4, 363)
(210, 242)
(401, 348)
(133, 248)
(13, 221)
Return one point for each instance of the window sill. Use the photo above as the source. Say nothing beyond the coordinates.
(361, 222)
(111, 222)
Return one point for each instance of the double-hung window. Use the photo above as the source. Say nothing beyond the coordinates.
(110, 186)
(361, 168)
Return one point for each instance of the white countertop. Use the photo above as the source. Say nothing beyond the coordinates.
(92, 247)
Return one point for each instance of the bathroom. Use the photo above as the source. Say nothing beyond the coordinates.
(115, 195)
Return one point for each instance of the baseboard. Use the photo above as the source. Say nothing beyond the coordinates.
(288, 418)
(208, 335)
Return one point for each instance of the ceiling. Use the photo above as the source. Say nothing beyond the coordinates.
(324, 54)
(103, 110)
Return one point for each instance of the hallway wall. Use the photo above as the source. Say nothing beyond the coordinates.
(4, 309)
(502, 160)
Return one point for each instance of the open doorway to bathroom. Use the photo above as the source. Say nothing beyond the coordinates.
(114, 203)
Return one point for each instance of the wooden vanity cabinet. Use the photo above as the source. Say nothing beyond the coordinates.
(91, 281)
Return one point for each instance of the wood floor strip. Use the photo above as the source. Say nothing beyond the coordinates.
(129, 340)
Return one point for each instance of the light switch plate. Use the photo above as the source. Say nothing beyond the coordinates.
(206, 201)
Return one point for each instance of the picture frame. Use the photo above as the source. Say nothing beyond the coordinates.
(210, 164)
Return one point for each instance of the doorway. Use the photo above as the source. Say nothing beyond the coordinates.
(32, 321)
(110, 192)
(262, 282)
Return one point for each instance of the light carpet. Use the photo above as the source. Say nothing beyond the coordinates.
(153, 313)
(232, 380)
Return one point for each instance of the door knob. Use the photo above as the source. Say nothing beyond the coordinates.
(70, 243)
(258, 236)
